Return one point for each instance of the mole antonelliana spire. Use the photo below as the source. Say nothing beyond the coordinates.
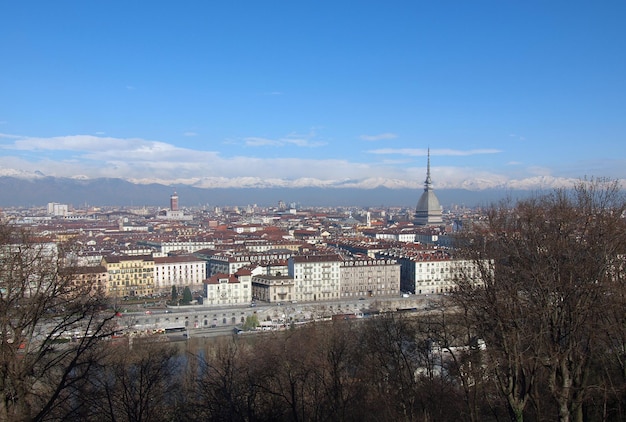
(428, 210)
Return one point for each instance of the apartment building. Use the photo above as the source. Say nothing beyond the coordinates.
(228, 289)
(92, 279)
(273, 289)
(180, 271)
(265, 246)
(225, 264)
(435, 272)
(129, 275)
(316, 277)
(187, 246)
(229, 262)
(369, 277)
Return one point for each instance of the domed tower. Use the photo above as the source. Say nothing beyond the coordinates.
(428, 210)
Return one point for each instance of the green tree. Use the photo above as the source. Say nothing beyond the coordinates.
(174, 293)
(252, 321)
(187, 297)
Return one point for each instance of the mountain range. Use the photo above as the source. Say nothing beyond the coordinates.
(38, 190)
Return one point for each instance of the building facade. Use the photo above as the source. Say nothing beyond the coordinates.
(92, 279)
(432, 273)
(369, 277)
(129, 275)
(230, 263)
(180, 271)
(188, 246)
(273, 289)
(227, 290)
(316, 277)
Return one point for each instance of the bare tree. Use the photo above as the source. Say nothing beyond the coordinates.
(393, 361)
(499, 308)
(339, 366)
(226, 383)
(138, 384)
(461, 355)
(541, 308)
(49, 326)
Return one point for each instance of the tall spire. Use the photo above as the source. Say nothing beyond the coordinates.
(428, 182)
(428, 210)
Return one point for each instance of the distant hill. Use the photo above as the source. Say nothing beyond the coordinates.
(15, 192)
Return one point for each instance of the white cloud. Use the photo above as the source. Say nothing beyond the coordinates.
(379, 137)
(261, 142)
(153, 161)
(190, 134)
(75, 143)
(8, 136)
(306, 140)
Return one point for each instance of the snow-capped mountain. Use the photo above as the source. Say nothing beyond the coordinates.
(21, 188)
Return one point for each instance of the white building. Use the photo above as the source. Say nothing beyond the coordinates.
(187, 246)
(58, 210)
(431, 273)
(180, 271)
(228, 289)
(178, 215)
(316, 277)
(34, 268)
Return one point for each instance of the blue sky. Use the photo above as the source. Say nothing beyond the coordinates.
(324, 93)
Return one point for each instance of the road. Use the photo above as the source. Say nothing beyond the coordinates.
(203, 321)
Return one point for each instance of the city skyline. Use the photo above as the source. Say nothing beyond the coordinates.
(324, 94)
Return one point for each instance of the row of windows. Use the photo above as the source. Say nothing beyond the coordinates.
(124, 283)
(132, 270)
(135, 265)
(134, 276)
(177, 267)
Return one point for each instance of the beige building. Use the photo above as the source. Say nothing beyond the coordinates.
(369, 277)
(129, 275)
(272, 289)
(95, 277)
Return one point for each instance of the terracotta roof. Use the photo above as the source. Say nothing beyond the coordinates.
(220, 276)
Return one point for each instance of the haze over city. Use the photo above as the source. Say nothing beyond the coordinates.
(520, 95)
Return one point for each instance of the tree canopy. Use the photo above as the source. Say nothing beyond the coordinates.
(552, 306)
